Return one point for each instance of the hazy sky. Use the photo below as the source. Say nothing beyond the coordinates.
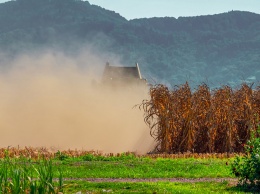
(160, 8)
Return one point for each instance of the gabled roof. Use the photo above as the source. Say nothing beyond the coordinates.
(121, 73)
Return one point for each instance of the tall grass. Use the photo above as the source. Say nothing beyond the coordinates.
(26, 176)
(203, 121)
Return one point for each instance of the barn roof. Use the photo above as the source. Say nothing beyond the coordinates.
(121, 73)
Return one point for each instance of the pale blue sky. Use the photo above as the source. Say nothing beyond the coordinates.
(174, 8)
(160, 8)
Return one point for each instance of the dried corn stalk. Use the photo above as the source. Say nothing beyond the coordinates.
(202, 121)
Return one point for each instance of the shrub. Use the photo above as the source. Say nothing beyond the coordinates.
(61, 156)
(247, 168)
(88, 157)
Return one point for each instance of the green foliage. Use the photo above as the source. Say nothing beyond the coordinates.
(88, 157)
(247, 168)
(121, 157)
(61, 156)
(146, 168)
(39, 176)
(24, 176)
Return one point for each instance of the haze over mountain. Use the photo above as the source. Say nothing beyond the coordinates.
(217, 49)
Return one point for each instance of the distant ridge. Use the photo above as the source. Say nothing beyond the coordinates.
(217, 49)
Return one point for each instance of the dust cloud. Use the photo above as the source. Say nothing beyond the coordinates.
(53, 100)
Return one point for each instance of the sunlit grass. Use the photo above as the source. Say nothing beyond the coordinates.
(146, 168)
(52, 175)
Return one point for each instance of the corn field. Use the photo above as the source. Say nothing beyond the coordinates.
(202, 121)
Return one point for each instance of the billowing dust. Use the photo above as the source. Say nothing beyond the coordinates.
(51, 100)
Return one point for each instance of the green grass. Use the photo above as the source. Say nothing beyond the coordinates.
(118, 167)
(25, 176)
(158, 187)
(146, 168)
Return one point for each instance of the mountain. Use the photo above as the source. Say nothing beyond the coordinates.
(216, 49)
(40, 22)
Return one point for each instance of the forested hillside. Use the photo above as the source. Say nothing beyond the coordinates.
(217, 49)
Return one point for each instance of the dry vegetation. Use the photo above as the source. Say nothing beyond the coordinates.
(199, 124)
(203, 121)
(37, 153)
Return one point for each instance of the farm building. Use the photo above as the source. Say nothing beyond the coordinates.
(121, 75)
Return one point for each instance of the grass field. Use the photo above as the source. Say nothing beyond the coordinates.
(132, 167)
(130, 174)
(144, 187)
